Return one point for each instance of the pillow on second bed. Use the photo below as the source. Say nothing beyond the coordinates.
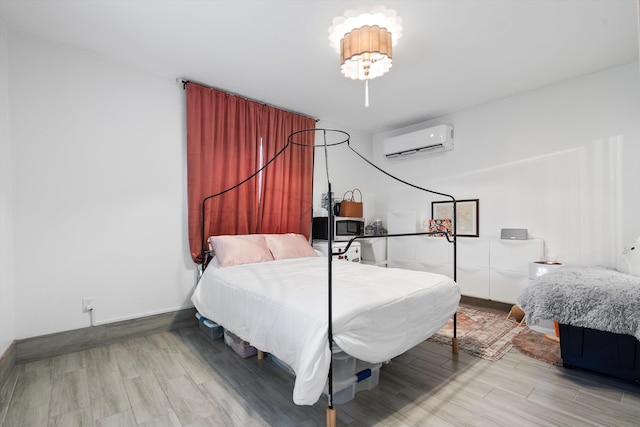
(290, 245)
(243, 249)
(629, 261)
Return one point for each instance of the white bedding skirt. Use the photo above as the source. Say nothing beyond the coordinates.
(280, 307)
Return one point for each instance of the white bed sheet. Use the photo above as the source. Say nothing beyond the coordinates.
(281, 307)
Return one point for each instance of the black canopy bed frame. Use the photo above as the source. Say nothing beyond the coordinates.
(342, 138)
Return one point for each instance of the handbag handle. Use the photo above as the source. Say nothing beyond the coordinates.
(353, 195)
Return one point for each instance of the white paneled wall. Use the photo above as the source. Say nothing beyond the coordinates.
(559, 161)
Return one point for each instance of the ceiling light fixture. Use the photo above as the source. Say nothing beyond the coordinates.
(365, 42)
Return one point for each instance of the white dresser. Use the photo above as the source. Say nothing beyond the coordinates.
(353, 254)
(509, 266)
(493, 269)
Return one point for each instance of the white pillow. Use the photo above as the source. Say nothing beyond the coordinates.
(290, 245)
(629, 261)
(242, 249)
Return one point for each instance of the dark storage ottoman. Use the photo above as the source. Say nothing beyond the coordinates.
(605, 352)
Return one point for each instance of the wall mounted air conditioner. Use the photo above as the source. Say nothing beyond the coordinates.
(431, 140)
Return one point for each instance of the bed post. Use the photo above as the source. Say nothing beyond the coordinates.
(331, 417)
(454, 340)
(331, 411)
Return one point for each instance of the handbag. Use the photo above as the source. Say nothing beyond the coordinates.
(349, 207)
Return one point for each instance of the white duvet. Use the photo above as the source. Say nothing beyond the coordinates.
(280, 307)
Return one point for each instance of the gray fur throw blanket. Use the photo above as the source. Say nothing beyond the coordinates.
(588, 297)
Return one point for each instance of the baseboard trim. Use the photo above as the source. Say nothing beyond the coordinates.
(43, 346)
(496, 305)
(7, 363)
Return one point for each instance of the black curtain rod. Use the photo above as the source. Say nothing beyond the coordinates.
(184, 85)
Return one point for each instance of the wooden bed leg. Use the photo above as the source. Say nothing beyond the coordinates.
(331, 417)
(260, 355)
(454, 345)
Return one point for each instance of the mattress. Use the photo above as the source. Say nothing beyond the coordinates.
(280, 307)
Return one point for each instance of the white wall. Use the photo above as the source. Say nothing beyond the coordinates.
(346, 170)
(7, 325)
(99, 177)
(560, 161)
(99, 188)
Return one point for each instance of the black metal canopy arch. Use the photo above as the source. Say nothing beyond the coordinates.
(342, 137)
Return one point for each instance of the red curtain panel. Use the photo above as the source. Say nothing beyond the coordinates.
(287, 191)
(225, 136)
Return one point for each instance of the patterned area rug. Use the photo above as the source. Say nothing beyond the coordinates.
(482, 332)
(535, 345)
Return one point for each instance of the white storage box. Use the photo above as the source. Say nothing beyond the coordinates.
(343, 365)
(350, 376)
(211, 329)
(367, 383)
(345, 388)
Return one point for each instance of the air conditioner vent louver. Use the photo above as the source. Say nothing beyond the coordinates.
(431, 140)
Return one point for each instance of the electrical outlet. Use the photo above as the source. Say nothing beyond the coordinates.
(87, 304)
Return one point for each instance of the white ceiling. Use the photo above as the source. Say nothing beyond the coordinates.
(453, 54)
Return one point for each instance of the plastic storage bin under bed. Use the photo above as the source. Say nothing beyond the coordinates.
(216, 332)
(243, 348)
(350, 376)
(210, 329)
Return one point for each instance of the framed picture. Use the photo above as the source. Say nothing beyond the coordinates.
(467, 213)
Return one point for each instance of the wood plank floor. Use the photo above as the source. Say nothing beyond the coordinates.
(181, 378)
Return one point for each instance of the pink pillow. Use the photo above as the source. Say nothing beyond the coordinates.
(289, 245)
(244, 249)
